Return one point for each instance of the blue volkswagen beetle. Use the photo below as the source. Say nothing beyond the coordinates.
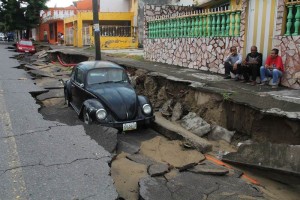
(100, 92)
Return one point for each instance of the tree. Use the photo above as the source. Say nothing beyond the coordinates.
(21, 14)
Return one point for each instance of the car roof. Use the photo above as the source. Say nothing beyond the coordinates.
(88, 65)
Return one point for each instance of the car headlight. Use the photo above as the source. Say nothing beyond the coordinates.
(147, 109)
(101, 114)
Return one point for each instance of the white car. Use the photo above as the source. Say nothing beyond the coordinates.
(2, 37)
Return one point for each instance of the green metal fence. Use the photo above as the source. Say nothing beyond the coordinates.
(293, 17)
(196, 24)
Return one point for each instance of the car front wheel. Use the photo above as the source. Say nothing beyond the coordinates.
(86, 117)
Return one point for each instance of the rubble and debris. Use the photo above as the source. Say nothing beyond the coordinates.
(220, 133)
(158, 169)
(195, 124)
(208, 168)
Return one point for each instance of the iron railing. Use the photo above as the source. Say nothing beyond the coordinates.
(118, 31)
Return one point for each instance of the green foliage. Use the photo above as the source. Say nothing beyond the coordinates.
(226, 95)
(21, 14)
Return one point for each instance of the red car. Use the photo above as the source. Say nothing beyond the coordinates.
(25, 46)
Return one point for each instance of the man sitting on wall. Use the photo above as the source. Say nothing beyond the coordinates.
(273, 68)
(251, 65)
(233, 64)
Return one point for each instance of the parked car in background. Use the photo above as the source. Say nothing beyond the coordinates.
(2, 37)
(25, 46)
(100, 92)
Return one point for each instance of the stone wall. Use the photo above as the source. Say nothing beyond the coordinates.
(141, 8)
(204, 53)
(207, 53)
(289, 47)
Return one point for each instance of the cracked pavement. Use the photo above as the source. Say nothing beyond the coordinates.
(41, 159)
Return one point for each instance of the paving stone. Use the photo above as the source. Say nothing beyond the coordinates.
(209, 168)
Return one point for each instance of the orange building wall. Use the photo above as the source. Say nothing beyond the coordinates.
(85, 5)
(42, 28)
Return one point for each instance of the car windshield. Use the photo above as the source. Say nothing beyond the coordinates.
(106, 75)
(27, 43)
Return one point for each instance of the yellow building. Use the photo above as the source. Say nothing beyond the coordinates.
(117, 29)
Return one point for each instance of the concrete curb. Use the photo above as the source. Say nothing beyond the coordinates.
(174, 131)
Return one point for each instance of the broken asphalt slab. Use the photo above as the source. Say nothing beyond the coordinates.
(283, 158)
(55, 93)
(49, 83)
(187, 185)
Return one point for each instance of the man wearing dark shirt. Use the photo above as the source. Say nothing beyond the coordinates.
(273, 68)
(251, 65)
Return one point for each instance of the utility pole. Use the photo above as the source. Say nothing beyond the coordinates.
(96, 29)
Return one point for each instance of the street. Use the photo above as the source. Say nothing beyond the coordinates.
(51, 154)
(42, 159)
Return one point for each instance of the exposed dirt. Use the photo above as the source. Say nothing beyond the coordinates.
(217, 109)
(126, 175)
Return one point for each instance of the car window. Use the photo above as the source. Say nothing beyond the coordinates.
(24, 42)
(106, 75)
(79, 76)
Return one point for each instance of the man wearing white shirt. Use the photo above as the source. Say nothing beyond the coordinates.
(233, 64)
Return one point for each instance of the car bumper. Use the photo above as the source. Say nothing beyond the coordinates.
(140, 123)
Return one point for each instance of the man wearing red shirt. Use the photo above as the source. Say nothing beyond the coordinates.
(273, 68)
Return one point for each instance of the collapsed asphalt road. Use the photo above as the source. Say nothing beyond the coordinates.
(147, 164)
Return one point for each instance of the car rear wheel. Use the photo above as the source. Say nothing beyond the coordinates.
(86, 117)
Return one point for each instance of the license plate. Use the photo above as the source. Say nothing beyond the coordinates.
(129, 126)
(26, 51)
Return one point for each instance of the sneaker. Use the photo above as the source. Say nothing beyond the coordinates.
(263, 83)
(227, 77)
